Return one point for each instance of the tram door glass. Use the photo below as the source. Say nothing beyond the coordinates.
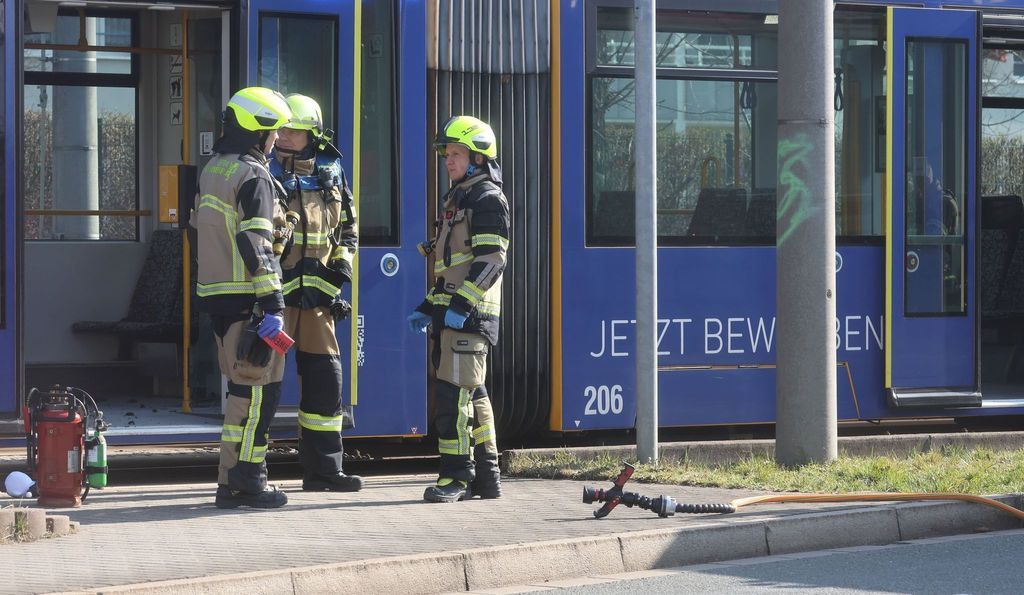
(935, 181)
(298, 55)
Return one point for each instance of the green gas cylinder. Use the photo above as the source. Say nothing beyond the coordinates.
(96, 461)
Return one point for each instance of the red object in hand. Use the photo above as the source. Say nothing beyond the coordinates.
(280, 342)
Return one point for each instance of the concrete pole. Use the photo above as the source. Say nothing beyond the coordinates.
(75, 133)
(646, 235)
(805, 399)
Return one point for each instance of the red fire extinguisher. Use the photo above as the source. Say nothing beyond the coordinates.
(55, 427)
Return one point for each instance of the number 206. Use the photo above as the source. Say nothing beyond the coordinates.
(603, 400)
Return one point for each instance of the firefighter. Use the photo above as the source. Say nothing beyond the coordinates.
(463, 309)
(238, 210)
(315, 267)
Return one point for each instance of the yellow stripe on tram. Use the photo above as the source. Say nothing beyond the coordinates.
(357, 109)
(887, 198)
(555, 414)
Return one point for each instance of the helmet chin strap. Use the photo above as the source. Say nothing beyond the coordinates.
(262, 145)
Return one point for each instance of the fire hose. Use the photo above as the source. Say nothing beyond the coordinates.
(665, 506)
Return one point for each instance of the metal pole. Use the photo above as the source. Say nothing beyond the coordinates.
(76, 137)
(186, 252)
(646, 235)
(805, 400)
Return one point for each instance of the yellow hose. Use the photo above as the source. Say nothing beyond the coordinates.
(876, 497)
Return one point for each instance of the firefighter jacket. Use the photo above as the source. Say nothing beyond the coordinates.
(238, 207)
(325, 239)
(469, 256)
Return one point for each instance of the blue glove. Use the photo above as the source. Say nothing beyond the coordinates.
(454, 319)
(418, 322)
(270, 325)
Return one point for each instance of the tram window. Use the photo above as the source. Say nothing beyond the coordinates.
(1002, 125)
(77, 99)
(1002, 72)
(105, 31)
(860, 123)
(378, 199)
(298, 55)
(58, 175)
(1002, 151)
(716, 154)
(691, 39)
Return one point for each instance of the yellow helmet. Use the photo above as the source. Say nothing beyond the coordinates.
(259, 108)
(469, 132)
(306, 115)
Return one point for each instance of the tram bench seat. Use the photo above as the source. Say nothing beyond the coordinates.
(720, 213)
(155, 311)
(761, 215)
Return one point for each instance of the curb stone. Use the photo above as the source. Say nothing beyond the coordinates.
(37, 524)
(716, 541)
(34, 520)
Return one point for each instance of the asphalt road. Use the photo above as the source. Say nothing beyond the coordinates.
(985, 563)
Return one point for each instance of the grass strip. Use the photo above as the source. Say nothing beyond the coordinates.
(953, 469)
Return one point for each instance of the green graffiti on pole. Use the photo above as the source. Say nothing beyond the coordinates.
(796, 205)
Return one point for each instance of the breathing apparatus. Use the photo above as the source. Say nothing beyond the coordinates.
(66, 450)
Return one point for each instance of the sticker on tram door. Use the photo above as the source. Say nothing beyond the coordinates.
(913, 261)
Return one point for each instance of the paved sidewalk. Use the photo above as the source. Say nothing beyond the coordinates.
(385, 539)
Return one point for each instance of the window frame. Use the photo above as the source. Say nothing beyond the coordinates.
(98, 80)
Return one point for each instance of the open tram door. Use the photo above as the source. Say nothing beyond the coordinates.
(10, 262)
(345, 54)
(931, 306)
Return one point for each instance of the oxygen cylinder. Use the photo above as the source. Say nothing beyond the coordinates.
(96, 461)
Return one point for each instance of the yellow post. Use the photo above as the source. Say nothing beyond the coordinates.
(357, 70)
(555, 412)
(186, 253)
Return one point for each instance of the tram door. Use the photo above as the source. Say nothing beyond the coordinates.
(9, 263)
(931, 344)
(317, 49)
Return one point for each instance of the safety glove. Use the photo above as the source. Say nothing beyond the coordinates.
(455, 319)
(251, 347)
(340, 309)
(418, 322)
(271, 324)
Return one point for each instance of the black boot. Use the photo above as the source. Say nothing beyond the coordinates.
(448, 490)
(332, 483)
(269, 498)
(486, 489)
(487, 484)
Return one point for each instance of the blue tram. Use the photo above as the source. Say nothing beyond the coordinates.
(111, 105)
